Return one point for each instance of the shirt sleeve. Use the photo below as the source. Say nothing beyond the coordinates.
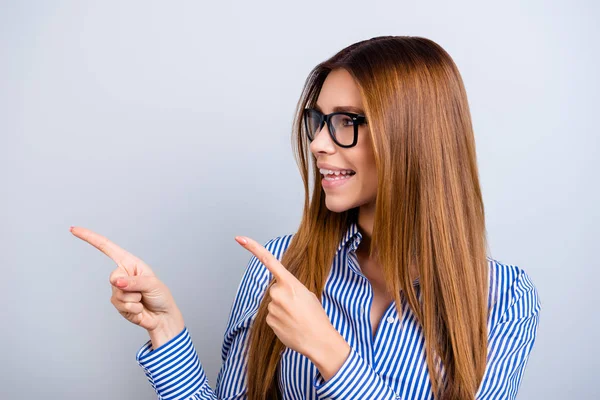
(355, 379)
(510, 340)
(174, 369)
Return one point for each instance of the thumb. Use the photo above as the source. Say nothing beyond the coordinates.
(140, 283)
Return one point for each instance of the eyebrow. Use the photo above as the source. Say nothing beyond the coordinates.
(351, 109)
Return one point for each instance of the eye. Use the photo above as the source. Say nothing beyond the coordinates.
(347, 121)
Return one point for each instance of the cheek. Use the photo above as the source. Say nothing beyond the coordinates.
(369, 183)
(368, 172)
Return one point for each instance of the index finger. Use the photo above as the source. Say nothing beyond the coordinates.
(100, 242)
(267, 258)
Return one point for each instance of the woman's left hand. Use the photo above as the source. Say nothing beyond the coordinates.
(296, 314)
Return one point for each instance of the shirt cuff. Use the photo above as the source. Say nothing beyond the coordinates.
(354, 380)
(174, 369)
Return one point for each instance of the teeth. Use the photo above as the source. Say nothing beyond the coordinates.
(336, 178)
(326, 172)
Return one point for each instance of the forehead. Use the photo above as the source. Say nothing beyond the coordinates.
(339, 89)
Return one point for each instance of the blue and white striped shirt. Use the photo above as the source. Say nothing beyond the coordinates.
(389, 365)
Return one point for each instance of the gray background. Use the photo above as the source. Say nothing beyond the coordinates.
(165, 126)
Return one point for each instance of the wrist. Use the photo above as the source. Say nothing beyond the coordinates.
(329, 355)
(169, 327)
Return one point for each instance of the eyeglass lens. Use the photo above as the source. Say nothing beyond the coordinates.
(340, 125)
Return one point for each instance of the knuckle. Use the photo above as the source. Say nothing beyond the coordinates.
(120, 306)
(266, 256)
(273, 293)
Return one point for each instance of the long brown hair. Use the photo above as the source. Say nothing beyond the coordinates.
(429, 210)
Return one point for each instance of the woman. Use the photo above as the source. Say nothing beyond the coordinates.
(386, 290)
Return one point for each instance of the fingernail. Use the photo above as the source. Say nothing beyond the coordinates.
(121, 283)
(241, 240)
(71, 229)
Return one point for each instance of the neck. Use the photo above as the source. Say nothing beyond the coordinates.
(366, 216)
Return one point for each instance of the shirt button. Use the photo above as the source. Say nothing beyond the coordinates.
(391, 320)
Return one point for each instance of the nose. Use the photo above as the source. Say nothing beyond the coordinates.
(322, 142)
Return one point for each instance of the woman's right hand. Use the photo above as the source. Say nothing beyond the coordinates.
(138, 295)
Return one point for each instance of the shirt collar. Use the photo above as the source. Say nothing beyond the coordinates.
(352, 237)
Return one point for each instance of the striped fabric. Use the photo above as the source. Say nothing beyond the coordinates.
(390, 365)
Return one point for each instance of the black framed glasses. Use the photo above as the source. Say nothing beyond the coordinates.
(342, 126)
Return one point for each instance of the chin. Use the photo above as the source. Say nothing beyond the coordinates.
(337, 205)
